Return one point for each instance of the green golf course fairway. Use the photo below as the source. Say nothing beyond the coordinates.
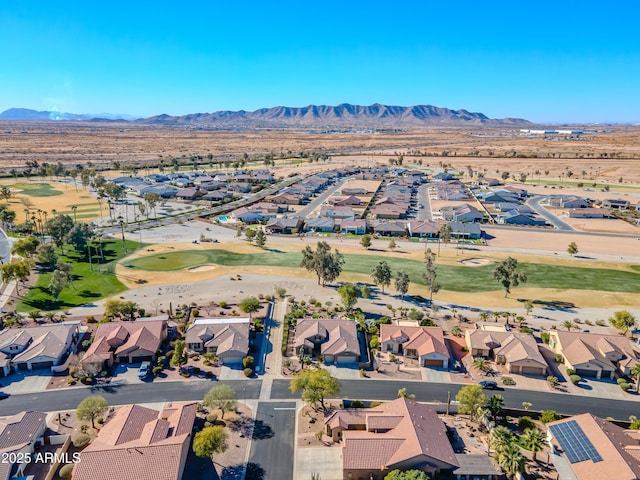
(456, 278)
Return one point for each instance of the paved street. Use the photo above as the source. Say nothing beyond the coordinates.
(534, 203)
(271, 456)
(424, 213)
(316, 202)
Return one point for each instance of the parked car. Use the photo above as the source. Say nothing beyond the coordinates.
(144, 371)
(489, 385)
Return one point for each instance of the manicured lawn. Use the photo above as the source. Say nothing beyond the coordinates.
(36, 189)
(88, 286)
(451, 277)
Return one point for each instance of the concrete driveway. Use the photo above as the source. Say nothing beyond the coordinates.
(26, 382)
(327, 461)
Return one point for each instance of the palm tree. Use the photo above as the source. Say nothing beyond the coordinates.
(500, 438)
(34, 315)
(533, 439)
(496, 315)
(481, 364)
(568, 324)
(494, 406)
(50, 316)
(484, 316)
(511, 459)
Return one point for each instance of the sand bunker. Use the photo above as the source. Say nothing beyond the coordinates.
(474, 262)
(202, 268)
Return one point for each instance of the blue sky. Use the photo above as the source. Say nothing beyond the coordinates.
(544, 61)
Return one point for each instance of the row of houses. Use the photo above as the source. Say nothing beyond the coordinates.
(300, 193)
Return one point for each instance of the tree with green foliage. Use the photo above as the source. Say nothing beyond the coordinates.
(249, 305)
(533, 440)
(325, 264)
(381, 274)
(365, 241)
(260, 239)
(121, 309)
(635, 374)
(210, 440)
(349, 294)
(402, 283)
(481, 364)
(46, 256)
(222, 397)
(180, 356)
(406, 475)
(445, 233)
(58, 282)
(151, 199)
(92, 408)
(392, 244)
(315, 385)
(501, 437)
(59, 227)
(572, 249)
(16, 270)
(430, 274)
(374, 343)
(508, 275)
(471, 398)
(623, 321)
(79, 236)
(25, 247)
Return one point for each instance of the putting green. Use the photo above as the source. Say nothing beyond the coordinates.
(170, 261)
(36, 189)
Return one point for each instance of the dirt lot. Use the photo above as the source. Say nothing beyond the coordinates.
(612, 225)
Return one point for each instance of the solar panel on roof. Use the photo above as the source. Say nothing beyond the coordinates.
(575, 444)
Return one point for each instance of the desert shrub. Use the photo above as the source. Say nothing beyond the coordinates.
(526, 330)
(575, 379)
(156, 371)
(87, 380)
(571, 371)
(212, 417)
(552, 381)
(71, 381)
(525, 422)
(195, 312)
(82, 440)
(356, 404)
(588, 322)
(73, 372)
(508, 381)
(91, 319)
(559, 358)
(66, 471)
(375, 404)
(247, 362)
(185, 374)
(248, 372)
(549, 416)
(545, 337)
(624, 386)
(600, 323)
(223, 304)
(621, 380)
(206, 363)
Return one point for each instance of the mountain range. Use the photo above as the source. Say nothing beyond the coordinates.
(311, 116)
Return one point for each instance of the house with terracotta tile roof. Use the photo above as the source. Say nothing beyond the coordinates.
(401, 434)
(517, 351)
(19, 434)
(595, 355)
(422, 345)
(124, 342)
(227, 338)
(336, 340)
(586, 447)
(140, 443)
(34, 348)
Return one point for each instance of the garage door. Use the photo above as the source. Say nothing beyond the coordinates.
(432, 363)
(41, 365)
(346, 359)
(142, 358)
(532, 370)
(586, 373)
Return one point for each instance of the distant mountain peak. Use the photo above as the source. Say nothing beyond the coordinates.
(343, 115)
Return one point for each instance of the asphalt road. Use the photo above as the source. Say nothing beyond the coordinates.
(271, 456)
(144, 392)
(316, 202)
(534, 203)
(437, 392)
(424, 213)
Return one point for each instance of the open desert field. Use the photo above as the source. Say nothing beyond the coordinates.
(604, 156)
